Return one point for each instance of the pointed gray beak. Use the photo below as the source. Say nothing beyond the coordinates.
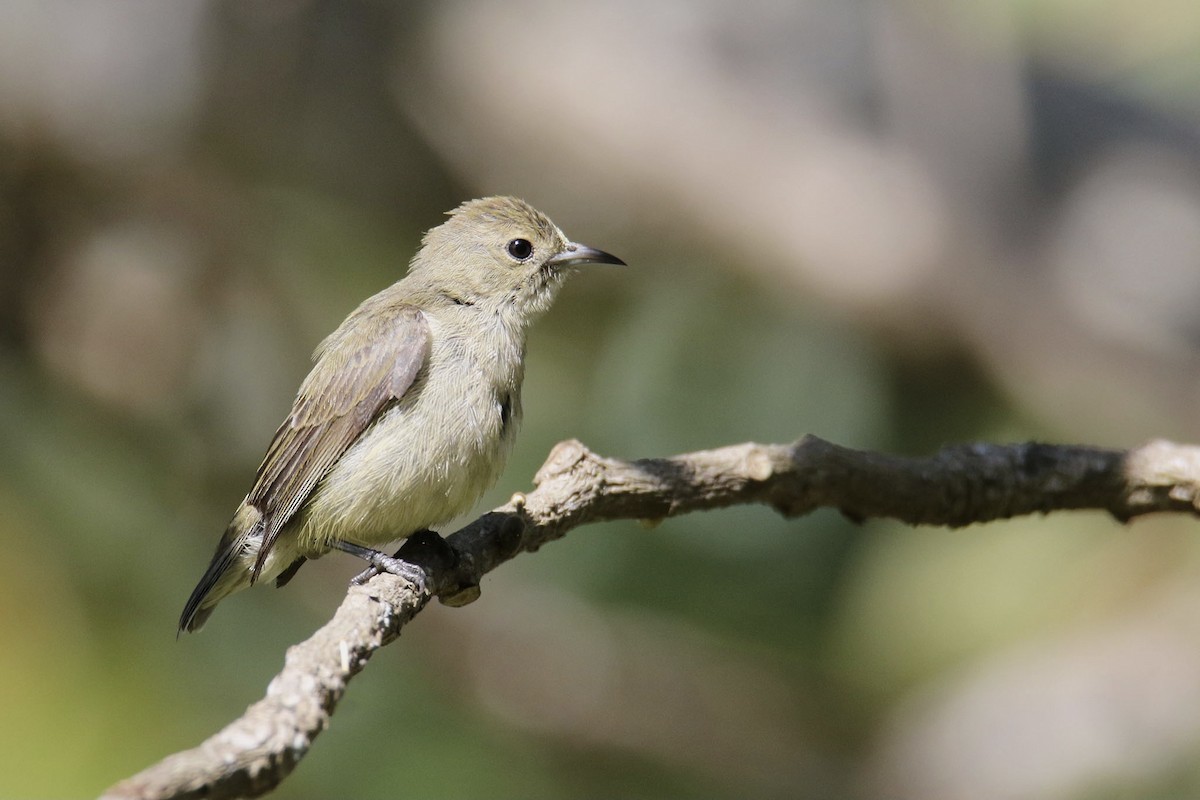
(576, 254)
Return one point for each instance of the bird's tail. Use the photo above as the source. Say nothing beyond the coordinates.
(203, 598)
(225, 575)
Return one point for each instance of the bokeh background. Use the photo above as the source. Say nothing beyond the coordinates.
(892, 224)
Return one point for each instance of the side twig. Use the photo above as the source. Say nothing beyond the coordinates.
(958, 486)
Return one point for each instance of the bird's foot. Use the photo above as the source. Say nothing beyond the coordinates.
(381, 563)
(365, 575)
(421, 548)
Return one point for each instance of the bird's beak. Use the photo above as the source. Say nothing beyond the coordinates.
(576, 254)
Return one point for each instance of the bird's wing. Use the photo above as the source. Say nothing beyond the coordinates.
(335, 404)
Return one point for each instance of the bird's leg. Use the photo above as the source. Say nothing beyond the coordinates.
(382, 562)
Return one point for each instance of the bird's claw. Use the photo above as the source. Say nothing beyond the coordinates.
(382, 562)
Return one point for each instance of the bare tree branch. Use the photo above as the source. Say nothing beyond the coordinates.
(957, 486)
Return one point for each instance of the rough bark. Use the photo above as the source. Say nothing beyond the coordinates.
(957, 486)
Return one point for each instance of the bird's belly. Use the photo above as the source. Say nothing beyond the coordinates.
(399, 478)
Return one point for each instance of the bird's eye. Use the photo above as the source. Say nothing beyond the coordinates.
(520, 249)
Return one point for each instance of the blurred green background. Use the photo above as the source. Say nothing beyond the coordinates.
(894, 225)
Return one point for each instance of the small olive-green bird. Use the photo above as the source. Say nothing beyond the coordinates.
(411, 407)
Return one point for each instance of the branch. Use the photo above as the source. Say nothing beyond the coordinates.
(957, 486)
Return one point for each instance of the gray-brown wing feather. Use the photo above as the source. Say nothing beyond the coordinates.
(337, 402)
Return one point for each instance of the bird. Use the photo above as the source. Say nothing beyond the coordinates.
(411, 407)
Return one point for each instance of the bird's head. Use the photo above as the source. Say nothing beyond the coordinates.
(503, 254)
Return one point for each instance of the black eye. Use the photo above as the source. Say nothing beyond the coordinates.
(520, 249)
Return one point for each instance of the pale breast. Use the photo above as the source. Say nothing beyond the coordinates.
(427, 459)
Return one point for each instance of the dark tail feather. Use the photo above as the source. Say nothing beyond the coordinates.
(194, 617)
(290, 572)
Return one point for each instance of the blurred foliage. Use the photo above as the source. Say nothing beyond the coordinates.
(891, 225)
